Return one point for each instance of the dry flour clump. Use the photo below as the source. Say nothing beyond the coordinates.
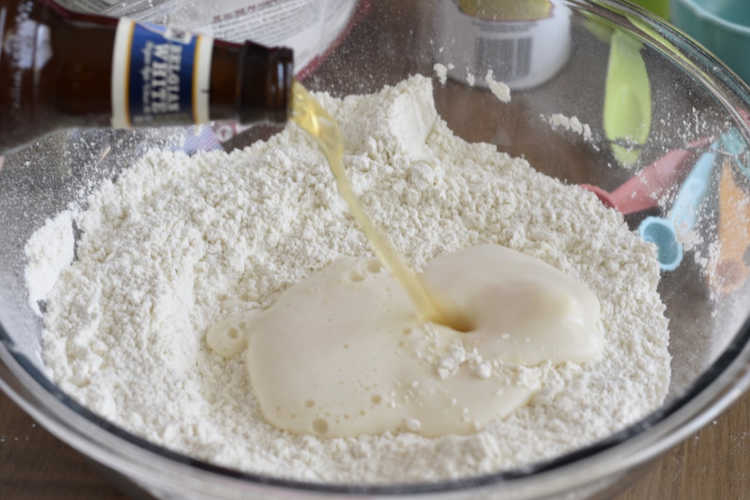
(441, 72)
(498, 89)
(558, 121)
(179, 242)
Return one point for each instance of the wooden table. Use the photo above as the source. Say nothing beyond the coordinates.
(713, 464)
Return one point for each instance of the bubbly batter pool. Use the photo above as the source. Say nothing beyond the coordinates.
(178, 245)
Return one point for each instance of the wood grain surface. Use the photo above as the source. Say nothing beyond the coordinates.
(712, 464)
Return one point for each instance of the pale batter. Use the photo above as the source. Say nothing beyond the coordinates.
(344, 352)
(349, 372)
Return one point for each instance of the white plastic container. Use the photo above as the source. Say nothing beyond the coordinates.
(523, 43)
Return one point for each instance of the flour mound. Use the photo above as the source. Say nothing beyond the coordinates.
(179, 242)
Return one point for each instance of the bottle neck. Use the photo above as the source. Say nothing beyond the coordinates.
(251, 83)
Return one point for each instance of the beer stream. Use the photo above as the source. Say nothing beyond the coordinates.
(313, 119)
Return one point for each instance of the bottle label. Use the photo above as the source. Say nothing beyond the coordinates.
(159, 75)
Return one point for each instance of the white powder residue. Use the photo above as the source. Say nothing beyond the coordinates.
(470, 78)
(449, 360)
(48, 251)
(559, 121)
(179, 242)
(499, 89)
(441, 71)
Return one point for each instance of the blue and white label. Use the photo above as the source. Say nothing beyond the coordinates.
(159, 75)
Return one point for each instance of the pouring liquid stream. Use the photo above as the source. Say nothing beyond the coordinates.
(313, 119)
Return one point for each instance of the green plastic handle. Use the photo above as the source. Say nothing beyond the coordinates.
(627, 99)
(658, 7)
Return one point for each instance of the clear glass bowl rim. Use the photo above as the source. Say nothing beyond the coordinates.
(717, 387)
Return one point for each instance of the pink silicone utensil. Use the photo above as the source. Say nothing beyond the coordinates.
(642, 191)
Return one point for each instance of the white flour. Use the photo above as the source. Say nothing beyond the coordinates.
(441, 72)
(559, 121)
(470, 78)
(179, 242)
(499, 89)
(48, 251)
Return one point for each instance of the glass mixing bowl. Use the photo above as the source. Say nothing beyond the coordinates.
(687, 96)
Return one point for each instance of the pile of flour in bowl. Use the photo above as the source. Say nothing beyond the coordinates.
(178, 242)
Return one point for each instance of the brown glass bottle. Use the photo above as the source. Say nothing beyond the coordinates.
(62, 69)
